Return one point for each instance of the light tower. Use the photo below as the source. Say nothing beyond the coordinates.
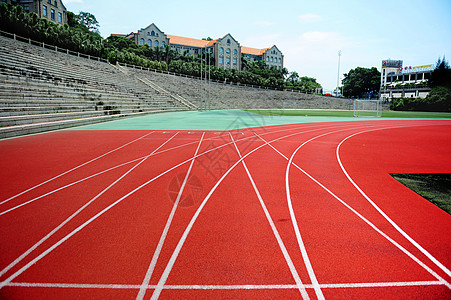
(338, 75)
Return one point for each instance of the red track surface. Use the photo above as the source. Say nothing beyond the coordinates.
(258, 227)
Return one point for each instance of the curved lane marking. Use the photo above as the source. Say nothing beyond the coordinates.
(396, 226)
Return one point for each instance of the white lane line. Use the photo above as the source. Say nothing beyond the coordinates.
(20, 271)
(405, 251)
(294, 221)
(23, 269)
(148, 276)
(73, 169)
(282, 247)
(226, 287)
(396, 226)
(68, 185)
(158, 152)
(182, 240)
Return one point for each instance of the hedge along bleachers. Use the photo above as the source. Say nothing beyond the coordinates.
(43, 90)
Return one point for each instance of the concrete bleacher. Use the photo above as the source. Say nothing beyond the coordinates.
(227, 96)
(43, 90)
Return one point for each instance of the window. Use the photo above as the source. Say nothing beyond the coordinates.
(153, 33)
(221, 50)
(56, 3)
(148, 33)
(235, 52)
(272, 59)
(149, 42)
(419, 76)
(228, 41)
(163, 44)
(234, 62)
(26, 7)
(44, 11)
(60, 17)
(228, 60)
(267, 59)
(49, 1)
(228, 51)
(141, 41)
(52, 14)
(157, 44)
(221, 60)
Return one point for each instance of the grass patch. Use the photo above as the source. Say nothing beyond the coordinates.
(349, 113)
(434, 187)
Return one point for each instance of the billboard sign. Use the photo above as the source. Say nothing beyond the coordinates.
(391, 63)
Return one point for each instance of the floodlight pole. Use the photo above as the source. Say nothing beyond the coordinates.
(209, 80)
(338, 74)
(205, 81)
(201, 91)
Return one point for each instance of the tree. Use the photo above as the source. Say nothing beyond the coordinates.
(441, 76)
(293, 78)
(361, 82)
(88, 20)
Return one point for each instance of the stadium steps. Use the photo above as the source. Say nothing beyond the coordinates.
(43, 90)
(159, 90)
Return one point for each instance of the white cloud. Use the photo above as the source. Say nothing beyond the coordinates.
(73, 1)
(310, 18)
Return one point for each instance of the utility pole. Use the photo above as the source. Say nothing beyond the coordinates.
(338, 75)
(201, 78)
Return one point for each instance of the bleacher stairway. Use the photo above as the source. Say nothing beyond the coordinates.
(43, 90)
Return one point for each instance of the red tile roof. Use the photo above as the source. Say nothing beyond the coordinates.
(253, 51)
(179, 40)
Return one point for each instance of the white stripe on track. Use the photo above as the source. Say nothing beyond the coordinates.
(146, 183)
(282, 247)
(182, 240)
(148, 276)
(294, 221)
(67, 220)
(68, 185)
(24, 268)
(396, 226)
(225, 287)
(73, 169)
(405, 251)
(123, 164)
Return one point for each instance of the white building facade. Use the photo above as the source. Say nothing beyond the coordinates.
(398, 81)
(226, 51)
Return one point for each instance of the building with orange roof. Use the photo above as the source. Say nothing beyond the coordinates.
(272, 56)
(227, 51)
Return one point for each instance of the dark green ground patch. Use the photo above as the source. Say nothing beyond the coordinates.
(349, 113)
(434, 187)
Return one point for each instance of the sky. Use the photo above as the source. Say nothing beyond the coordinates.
(308, 33)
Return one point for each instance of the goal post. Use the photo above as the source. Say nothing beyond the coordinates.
(367, 108)
(289, 104)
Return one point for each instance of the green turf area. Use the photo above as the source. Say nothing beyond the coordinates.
(434, 187)
(349, 113)
(229, 119)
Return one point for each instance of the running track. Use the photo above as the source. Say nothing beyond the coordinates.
(290, 211)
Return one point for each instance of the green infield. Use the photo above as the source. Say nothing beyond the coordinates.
(434, 187)
(349, 113)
